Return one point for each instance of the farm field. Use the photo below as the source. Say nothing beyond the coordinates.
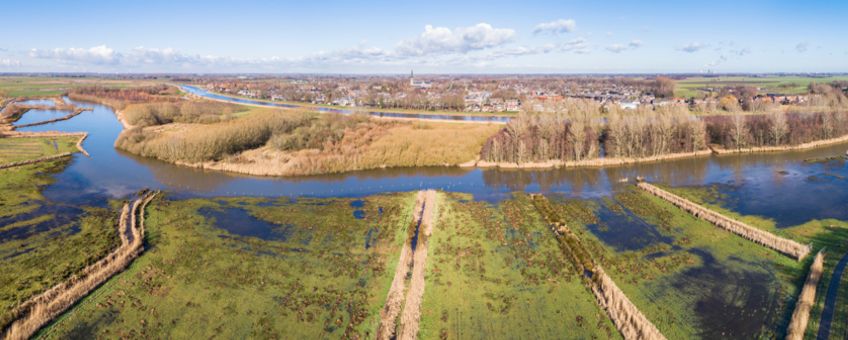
(497, 271)
(251, 267)
(787, 85)
(43, 242)
(689, 278)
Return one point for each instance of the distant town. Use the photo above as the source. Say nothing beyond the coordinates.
(503, 94)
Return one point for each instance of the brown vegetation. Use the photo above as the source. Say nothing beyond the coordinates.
(783, 245)
(581, 130)
(41, 309)
(198, 111)
(801, 315)
(119, 98)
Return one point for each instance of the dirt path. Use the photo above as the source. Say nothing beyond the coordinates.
(409, 321)
(404, 298)
(830, 299)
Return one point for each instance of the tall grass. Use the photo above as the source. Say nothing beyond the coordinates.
(159, 113)
(193, 143)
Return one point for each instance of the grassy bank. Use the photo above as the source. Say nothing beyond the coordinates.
(43, 243)
(686, 276)
(21, 149)
(497, 271)
(249, 267)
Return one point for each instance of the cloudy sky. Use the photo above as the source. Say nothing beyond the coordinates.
(427, 36)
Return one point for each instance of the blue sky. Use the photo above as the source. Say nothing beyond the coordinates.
(430, 37)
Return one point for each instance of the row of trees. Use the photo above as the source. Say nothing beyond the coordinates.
(575, 130)
(564, 130)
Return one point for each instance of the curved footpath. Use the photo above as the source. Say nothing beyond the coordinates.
(830, 299)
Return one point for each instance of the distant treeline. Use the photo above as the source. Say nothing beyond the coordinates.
(575, 130)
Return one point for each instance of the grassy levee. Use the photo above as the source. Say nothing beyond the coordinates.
(204, 275)
(495, 271)
(43, 243)
(801, 315)
(764, 238)
(689, 278)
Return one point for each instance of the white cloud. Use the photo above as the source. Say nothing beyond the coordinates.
(95, 55)
(442, 40)
(692, 47)
(802, 47)
(5, 62)
(556, 26)
(618, 48)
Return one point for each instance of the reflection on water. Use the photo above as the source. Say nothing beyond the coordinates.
(35, 116)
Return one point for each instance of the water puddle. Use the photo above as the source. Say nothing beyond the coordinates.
(238, 221)
(621, 229)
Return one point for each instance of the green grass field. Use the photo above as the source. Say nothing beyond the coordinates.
(21, 149)
(788, 85)
(691, 279)
(496, 271)
(43, 243)
(321, 272)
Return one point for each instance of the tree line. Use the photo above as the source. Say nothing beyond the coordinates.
(576, 129)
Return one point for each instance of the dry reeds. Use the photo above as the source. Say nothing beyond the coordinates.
(783, 245)
(41, 309)
(627, 318)
(801, 315)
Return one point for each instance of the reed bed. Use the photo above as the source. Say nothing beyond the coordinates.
(801, 315)
(41, 309)
(780, 244)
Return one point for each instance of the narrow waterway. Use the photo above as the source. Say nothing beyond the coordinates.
(383, 114)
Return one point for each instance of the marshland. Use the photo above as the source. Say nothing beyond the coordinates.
(287, 221)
